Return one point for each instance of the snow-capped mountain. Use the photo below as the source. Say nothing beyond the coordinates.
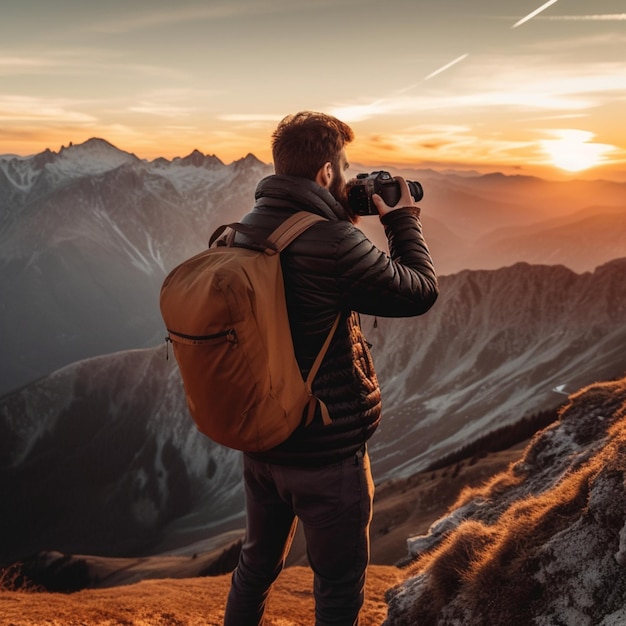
(87, 235)
(86, 238)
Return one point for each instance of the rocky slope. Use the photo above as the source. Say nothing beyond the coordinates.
(542, 543)
(100, 456)
(493, 349)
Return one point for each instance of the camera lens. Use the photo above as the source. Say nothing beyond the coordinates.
(416, 190)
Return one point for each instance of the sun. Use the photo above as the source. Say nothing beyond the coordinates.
(573, 151)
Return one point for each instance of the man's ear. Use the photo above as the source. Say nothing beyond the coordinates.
(325, 175)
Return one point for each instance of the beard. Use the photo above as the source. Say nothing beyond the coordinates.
(339, 190)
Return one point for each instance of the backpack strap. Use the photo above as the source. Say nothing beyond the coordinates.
(230, 230)
(313, 373)
(279, 239)
(293, 227)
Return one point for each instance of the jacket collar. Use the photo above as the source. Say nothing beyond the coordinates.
(280, 190)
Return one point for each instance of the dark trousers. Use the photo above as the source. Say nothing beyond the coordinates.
(334, 505)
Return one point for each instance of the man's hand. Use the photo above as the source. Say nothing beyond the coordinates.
(406, 199)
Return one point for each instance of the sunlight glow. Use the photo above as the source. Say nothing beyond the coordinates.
(573, 150)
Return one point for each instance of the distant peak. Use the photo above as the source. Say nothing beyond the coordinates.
(94, 156)
(501, 177)
(249, 160)
(94, 142)
(43, 158)
(98, 142)
(617, 266)
(198, 159)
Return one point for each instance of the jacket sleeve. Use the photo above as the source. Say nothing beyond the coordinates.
(400, 284)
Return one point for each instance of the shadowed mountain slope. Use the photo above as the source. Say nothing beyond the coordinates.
(101, 457)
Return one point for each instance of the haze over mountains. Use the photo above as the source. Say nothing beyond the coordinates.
(97, 452)
(87, 234)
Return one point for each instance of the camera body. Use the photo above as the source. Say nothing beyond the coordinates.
(361, 191)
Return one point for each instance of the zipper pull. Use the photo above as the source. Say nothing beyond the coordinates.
(167, 348)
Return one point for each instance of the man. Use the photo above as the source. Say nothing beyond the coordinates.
(321, 474)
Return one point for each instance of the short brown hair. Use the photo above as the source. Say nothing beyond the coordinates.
(302, 143)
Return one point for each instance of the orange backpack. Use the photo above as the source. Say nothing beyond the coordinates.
(226, 317)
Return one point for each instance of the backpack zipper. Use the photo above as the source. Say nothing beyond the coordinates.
(230, 335)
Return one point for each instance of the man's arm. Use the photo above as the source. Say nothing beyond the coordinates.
(401, 284)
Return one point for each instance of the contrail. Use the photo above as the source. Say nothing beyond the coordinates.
(543, 7)
(607, 17)
(449, 65)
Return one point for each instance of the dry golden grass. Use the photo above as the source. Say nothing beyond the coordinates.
(183, 602)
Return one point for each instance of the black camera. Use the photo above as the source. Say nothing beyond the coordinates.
(360, 192)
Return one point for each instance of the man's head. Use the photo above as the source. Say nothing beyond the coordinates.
(312, 145)
(304, 143)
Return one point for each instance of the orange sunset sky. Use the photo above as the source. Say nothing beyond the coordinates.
(521, 86)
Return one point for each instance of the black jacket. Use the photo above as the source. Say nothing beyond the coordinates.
(333, 267)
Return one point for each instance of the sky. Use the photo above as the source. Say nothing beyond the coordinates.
(520, 86)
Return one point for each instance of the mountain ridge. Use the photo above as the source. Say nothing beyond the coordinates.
(473, 364)
(93, 228)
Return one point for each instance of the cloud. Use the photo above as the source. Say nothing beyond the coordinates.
(608, 44)
(445, 143)
(166, 102)
(174, 16)
(29, 109)
(23, 65)
(181, 14)
(364, 111)
(524, 84)
(160, 109)
(250, 117)
(20, 63)
(80, 61)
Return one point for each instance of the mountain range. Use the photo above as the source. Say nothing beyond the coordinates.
(101, 456)
(97, 452)
(86, 236)
(88, 233)
(540, 542)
